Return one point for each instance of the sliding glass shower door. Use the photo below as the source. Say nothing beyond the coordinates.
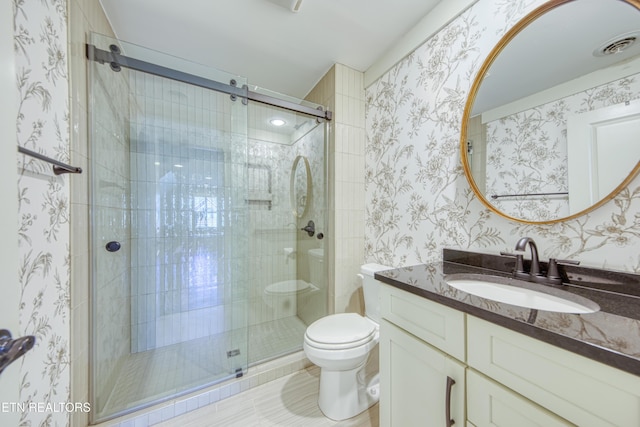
(169, 219)
(202, 197)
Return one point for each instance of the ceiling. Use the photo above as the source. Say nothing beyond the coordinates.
(263, 40)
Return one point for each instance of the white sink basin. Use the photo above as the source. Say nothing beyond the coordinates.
(521, 293)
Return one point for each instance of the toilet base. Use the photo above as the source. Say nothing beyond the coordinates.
(344, 394)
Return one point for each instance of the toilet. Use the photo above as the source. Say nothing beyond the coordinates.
(340, 345)
(283, 296)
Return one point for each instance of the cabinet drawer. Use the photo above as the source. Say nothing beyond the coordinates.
(440, 326)
(578, 389)
(492, 405)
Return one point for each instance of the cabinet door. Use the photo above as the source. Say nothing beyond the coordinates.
(415, 382)
(580, 390)
(491, 405)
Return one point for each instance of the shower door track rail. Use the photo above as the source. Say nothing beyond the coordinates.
(116, 60)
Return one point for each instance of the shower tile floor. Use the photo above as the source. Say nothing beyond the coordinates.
(150, 375)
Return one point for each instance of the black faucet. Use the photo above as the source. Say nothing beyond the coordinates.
(310, 228)
(535, 272)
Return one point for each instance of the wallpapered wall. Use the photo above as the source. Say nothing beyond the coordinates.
(40, 30)
(417, 198)
(535, 141)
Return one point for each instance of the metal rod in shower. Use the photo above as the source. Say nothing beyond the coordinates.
(116, 60)
(495, 196)
(58, 167)
(291, 106)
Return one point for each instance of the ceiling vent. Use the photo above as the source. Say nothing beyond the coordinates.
(616, 45)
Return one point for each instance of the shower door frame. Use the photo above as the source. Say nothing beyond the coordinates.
(116, 60)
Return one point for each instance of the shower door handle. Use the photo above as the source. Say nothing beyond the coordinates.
(113, 246)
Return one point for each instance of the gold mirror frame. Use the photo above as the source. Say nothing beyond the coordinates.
(504, 41)
(292, 183)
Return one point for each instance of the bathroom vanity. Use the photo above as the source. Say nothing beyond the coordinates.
(448, 357)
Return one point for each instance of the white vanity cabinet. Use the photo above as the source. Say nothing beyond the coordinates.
(491, 404)
(502, 378)
(421, 384)
(584, 392)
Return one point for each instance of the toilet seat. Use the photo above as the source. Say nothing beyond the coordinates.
(340, 331)
(287, 287)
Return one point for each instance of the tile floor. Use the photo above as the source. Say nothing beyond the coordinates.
(153, 374)
(290, 401)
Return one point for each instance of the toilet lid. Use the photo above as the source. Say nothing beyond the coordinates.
(341, 330)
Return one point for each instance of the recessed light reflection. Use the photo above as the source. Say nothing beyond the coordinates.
(178, 166)
(207, 177)
(157, 163)
(277, 122)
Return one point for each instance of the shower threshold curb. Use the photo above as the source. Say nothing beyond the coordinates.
(254, 377)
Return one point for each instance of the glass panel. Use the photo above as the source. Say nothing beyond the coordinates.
(286, 297)
(110, 218)
(312, 264)
(214, 272)
(168, 183)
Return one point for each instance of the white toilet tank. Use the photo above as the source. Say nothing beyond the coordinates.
(371, 290)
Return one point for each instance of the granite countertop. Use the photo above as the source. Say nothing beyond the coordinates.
(610, 335)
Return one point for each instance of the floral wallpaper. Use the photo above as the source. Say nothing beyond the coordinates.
(527, 151)
(417, 198)
(40, 40)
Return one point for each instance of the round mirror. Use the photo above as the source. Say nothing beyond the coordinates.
(550, 127)
(300, 186)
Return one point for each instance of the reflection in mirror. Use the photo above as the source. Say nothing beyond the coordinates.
(548, 131)
(300, 186)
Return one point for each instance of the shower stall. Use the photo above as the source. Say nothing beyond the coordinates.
(200, 267)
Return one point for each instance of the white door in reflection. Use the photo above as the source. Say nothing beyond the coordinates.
(603, 148)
